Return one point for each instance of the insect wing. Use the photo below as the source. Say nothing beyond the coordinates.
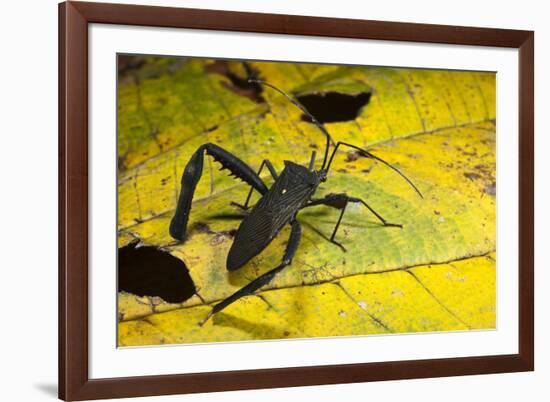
(254, 234)
(267, 218)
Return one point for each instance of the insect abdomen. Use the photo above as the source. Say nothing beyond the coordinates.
(272, 212)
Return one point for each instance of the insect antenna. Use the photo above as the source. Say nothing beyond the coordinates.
(312, 160)
(370, 155)
(305, 111)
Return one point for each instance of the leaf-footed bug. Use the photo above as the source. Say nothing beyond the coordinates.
(278, 206)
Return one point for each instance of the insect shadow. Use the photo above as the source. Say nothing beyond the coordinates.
(256, 330)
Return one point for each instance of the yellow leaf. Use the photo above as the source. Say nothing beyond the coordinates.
(435, 274)
(440, 297)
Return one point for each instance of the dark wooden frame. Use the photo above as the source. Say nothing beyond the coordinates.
(74, 383)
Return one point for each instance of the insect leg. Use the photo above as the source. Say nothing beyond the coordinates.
(192, 174)
(274, 174)
(340, 201)
(263, 280)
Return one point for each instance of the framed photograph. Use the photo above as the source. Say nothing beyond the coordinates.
(259, 200)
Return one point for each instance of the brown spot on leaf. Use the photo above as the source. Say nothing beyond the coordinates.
(220, 237)
(127, 63)
(472, 176)
(238, 84)
(202, 227)
(352, 156)
(491, 189)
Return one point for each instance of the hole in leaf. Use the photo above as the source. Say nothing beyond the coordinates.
(148, 271)
(333, 107)
(239, 85)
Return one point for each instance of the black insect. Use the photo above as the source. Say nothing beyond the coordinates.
(278, 206)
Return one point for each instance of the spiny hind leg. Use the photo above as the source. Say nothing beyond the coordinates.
(192, 174)
(274, 174)
(292, 246)
(340, 201)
